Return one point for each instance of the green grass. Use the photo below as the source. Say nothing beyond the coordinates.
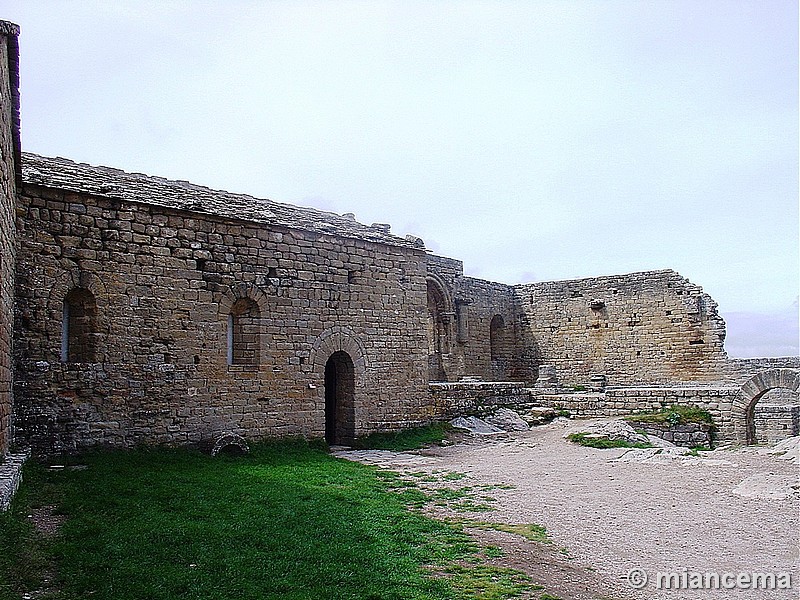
(530, 531)
(674, 415)
(286, 521)
(583, 439)
(407, 439)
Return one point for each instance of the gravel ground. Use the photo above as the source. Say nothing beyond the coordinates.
(732, 511)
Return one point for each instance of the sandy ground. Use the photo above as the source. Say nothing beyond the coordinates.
(732, 511)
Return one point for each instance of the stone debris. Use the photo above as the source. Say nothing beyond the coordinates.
(475, 426)
(611, 430)
(768, 486)
(658, 442)
(507, 420)
(788, 449)
(675, 454)
(539, 415)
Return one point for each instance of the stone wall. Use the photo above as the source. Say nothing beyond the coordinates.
(474, 326)
(9, 150)
(156, 291)
(739, 370)
(775, 422)
(718, 401)
(638, 329)
(689, 435)
(450, 400)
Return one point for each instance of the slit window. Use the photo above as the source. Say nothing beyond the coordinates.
(79, 327)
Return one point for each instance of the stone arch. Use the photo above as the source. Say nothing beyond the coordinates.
(230, 442)
(242, 310)
(243, 290)
(79, 288)
(338, 364)
(439, 327)
(752, 391)
(333, 340)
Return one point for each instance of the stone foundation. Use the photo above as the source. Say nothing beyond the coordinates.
(10, 477)
(688, 435)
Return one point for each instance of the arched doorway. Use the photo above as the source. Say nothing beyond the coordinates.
(340, 384)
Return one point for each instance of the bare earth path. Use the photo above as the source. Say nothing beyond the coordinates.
(614, 516)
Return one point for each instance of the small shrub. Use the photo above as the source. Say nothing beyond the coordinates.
(674, 415)
(584, 439)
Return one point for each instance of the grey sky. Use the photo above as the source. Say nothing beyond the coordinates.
(533, 140)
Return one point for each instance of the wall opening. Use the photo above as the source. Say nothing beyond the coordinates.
(244, 333)
(438, 332)
(340, 385)
(79, 327)
(497, 338)
(773, 416)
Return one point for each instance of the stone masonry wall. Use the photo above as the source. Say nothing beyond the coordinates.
(450, 400)
(718, 401)
(739, 370)
(775, 422)
(9, 140)
(643, 328)
(473, 347)
(163, 283)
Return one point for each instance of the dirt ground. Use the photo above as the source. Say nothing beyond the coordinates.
(729, 511)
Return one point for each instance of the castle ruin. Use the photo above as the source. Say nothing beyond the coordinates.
(138, 310)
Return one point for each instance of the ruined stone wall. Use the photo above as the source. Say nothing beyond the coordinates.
(157, 287)
(9, 148)
(451, 400)
(481, 334)
(718, 401)
(739, 370)
(643, 328)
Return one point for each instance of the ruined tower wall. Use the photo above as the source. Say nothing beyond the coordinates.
(164, 283)
(642, 328)
(9, 153)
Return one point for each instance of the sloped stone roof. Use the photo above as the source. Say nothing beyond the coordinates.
(65, 174)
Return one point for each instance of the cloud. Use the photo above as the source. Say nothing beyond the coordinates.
(753, 334)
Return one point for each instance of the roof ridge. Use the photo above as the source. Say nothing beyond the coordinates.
(104, 181)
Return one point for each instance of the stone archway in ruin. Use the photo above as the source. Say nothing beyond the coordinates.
(440, 313)
(752, 391)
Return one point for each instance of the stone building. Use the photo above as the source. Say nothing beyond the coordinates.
(155, 311)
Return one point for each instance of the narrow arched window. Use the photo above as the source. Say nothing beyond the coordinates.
(79, 327)
(497, 341)
(244, 333)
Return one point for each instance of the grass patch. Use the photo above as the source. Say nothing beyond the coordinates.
(585, 439)
(530, 531)
(287, 521)
(674, 415)
(408, 439)
(487, 582)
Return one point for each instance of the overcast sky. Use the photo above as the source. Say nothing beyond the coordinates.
(534, 140)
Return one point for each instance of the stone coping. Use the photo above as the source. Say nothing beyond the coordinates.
(106, 182)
